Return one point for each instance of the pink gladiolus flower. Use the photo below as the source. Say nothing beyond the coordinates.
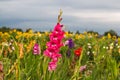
(53, 46)
(36, 49)
(58, 27)
(52, 66)
(49, 52)
(55, 55)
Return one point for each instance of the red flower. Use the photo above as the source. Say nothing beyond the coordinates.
(78, 51)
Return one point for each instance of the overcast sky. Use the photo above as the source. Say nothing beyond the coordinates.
(97, 15)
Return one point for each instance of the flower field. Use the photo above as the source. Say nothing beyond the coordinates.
(58, 55)
(83, 56)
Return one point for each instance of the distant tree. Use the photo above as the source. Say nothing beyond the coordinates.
(111, 32)
(93, 32)
(77, 32)
(19, 30)
(28, 30)
(4, 29)
(7, 29)
(70, 32)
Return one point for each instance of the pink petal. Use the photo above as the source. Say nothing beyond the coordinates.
(52, 66)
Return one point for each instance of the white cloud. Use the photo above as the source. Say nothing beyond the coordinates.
(96, 15)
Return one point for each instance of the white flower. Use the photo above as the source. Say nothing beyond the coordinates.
(10, 44)
(90, 47)
(116, 44)
(88, 52)
(106, 47)
(13, 48)
(88, 44)
(93, 52)
(111, 47)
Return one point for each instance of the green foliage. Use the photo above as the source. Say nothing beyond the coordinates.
(102, 62)
(7, 29)
(112, 33)
(92, 32)
(4, 29)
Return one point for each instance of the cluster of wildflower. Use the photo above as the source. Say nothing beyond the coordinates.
(11, 45)
(53, 46)
(36, 49)
(70, 45)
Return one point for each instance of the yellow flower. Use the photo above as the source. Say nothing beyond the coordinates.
(21, 50)
(46, 33)
(10, 32)
(114, 37)
(76, 36)
(14, 30)
(66, 34)
(85, 33)
(17, 37)
(19, 33)
(119, 50)
(96, 35)
(30, 31)
(1, 33)
(30, 45)
(39, 34)
(5, 35)
(119, 40)
(89, 35)
(24, 34)
(81, 36)
(25, 45)
(103, 38)
(109, 36)
(71, 34)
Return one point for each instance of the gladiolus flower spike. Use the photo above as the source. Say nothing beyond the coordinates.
(54, 45)
(36, 49)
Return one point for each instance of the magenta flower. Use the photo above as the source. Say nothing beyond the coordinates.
(52, 66)
(53, 46)
(36, 49)
(68, 53)
(55, 57)
(58, 27)
(70, 43)
(66, 43)
(49, 52)
(82, 68)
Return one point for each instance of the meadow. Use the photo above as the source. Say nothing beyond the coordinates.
(84, 56)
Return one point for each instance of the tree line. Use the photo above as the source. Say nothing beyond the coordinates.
(7, 29)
